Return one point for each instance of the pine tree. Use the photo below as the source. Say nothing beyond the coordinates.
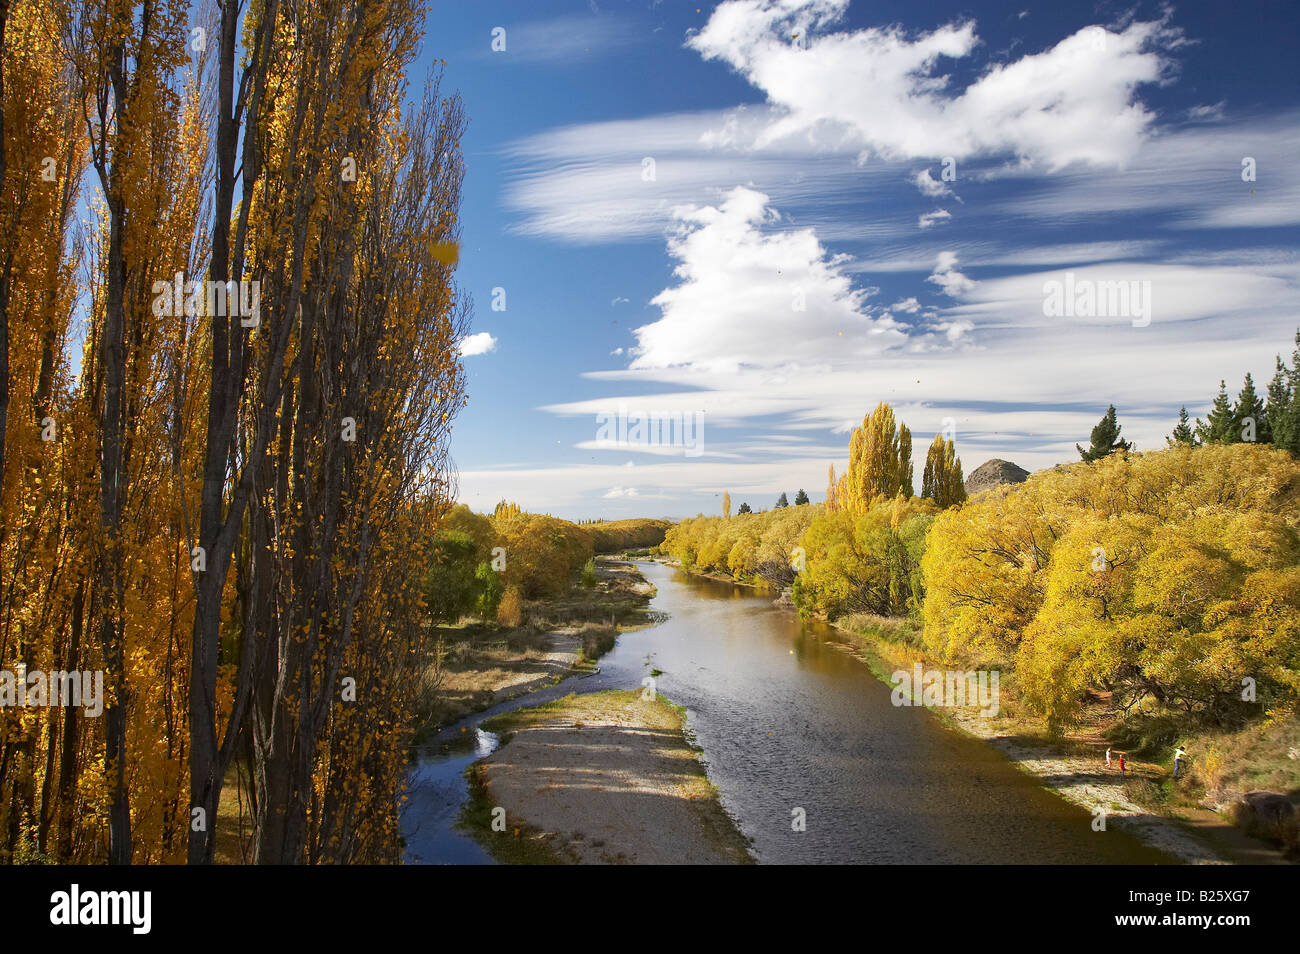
(744, 508)
(1250, 423)
(1221, 424)
(1183, 433)
(1284, 403)
(1279, 405)
(1105, 438)
(781, 501)
(800, 498)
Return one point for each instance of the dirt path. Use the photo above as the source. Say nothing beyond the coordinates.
(609, 778)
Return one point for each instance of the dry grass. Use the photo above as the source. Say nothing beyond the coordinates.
(476, 664)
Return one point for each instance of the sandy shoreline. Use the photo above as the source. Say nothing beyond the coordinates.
(603, 778)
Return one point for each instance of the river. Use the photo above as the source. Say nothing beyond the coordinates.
(788, 721)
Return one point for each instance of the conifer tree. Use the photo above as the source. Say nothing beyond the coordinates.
(1183, 433)
(1283, 411)
(1250, 423)
(1220, 426)
(781, 501)
(1105, 438)
(800, 498)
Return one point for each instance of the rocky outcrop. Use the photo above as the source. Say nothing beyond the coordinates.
(994, 473)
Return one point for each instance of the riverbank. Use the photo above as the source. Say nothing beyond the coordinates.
(1143, 801)
(1074, 768)
(483, 664)
(603, 778)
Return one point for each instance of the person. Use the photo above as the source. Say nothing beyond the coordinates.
(1108, 758)
(1179, 754)
(1121, 763)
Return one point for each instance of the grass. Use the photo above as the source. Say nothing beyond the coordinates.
(472, 661)
(893, 629)
(597, 639)
(519, 844)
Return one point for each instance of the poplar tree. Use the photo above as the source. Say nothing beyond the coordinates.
(942, 479)
(880, 461)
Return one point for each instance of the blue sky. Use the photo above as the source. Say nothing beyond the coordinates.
(799, 255)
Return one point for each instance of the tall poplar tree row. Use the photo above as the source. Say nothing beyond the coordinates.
(211, 492)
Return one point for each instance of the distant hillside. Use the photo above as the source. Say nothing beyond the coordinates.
(994, 473)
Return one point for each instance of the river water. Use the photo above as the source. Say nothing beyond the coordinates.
(788, 721)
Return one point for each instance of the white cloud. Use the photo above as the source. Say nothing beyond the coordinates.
(950, 281)
(1207, 113)
(1179, 293)
(615, 492)
(1075, 102)
(929, 219)
(929, 186)
(480, 343)
(744, 284)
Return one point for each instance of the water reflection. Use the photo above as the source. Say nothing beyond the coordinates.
(790, 722)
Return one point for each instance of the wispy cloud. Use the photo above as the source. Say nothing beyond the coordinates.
(561, 41)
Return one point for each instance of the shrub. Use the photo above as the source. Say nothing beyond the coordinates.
(598, 639)
(511, 610)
